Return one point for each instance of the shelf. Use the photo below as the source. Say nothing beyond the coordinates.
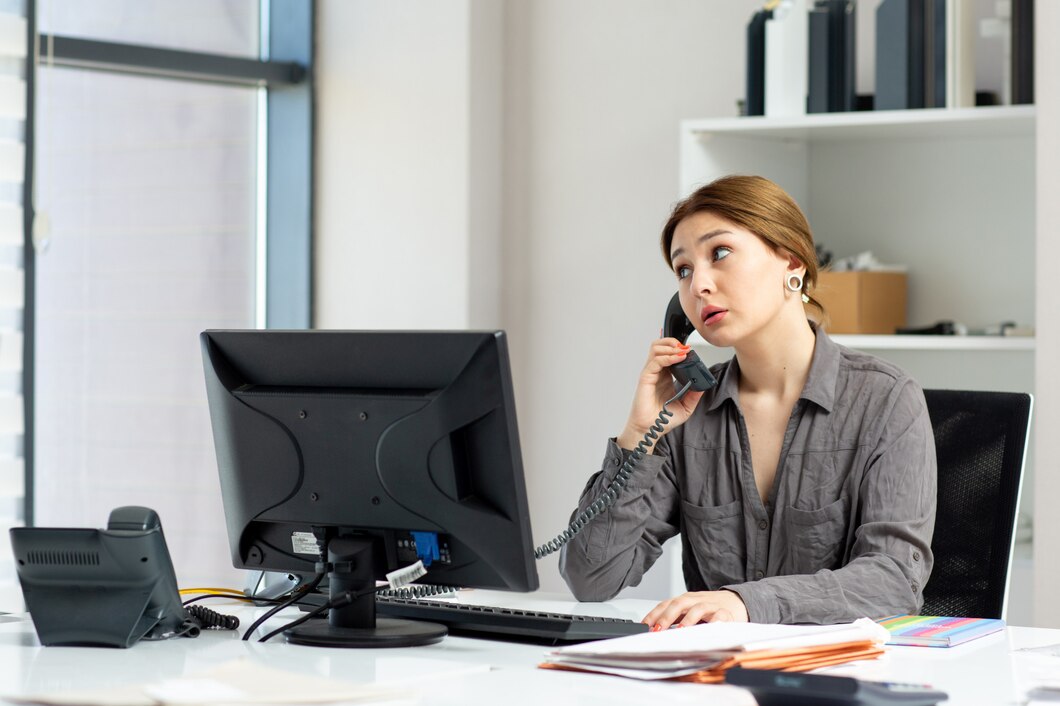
(921, 343)
(928, 123)
(937, 343)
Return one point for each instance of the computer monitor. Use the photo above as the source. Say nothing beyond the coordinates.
(383, 447)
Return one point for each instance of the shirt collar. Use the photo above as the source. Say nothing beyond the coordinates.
(820, 383)
(824, 372)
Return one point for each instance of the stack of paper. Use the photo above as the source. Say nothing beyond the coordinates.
(702, 653)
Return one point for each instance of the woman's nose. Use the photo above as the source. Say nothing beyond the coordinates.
(702, 281)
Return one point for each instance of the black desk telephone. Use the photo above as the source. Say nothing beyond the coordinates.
(691, 371)
(690, 374)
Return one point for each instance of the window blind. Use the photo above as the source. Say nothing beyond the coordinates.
(13, 67)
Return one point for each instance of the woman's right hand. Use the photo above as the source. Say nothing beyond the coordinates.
(654, 388)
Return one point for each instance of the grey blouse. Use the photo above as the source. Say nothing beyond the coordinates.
(845, 533)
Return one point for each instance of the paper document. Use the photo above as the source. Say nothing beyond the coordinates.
(703, 652)
(709, 638)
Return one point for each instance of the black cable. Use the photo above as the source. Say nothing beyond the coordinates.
(611, 493)
(341, 600)
(311, 586)
(207, 619)
(295, 623)
(300, 591)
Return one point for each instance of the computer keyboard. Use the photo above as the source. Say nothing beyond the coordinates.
(513, 623)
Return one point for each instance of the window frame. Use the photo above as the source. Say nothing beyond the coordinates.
(284, 71)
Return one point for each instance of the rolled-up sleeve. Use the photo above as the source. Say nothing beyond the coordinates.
(615, 549)
(890, 558)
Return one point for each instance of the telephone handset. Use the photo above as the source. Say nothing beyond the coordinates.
(691, 374)
(691, 369)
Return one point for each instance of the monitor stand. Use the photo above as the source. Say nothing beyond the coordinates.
(355, 625)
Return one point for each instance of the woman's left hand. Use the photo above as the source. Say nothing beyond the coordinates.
(697, 607)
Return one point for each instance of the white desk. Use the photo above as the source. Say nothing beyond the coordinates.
(463, 671)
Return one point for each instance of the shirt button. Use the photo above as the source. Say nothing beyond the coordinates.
(916, 556)
(759, 574)
(762, 524)
(915, 586)
(618, 462)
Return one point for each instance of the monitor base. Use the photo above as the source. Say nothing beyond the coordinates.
(388, 632)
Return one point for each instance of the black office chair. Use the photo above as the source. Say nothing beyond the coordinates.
(980, 439)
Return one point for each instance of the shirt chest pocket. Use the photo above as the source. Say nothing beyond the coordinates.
(815, 538)
(716, 535)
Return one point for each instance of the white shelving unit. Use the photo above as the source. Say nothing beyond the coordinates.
(937, 343)
(900, 124)
(949, 193)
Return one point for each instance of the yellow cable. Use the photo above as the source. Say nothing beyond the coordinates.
(213, 591)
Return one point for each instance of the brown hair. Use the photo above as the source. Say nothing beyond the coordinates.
(760, 206)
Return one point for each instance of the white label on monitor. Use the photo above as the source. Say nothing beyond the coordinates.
(304, 543)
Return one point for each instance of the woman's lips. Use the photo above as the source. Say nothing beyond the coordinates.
(712, 315)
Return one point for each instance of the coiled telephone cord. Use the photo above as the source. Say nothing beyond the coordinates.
(212, 619)
(614, 489)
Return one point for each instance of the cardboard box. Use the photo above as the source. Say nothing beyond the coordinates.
(862, 302)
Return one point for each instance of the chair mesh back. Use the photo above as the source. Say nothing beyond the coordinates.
(979, 439)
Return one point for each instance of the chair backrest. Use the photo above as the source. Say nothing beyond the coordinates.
(980, 440)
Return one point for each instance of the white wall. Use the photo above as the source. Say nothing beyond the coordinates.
(412, 138)
(1047, 372)
(408, 116)
(594, 94)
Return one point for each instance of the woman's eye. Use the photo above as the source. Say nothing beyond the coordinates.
(683, 271)
(721, 252)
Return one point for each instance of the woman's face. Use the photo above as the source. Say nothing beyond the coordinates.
(731, 281)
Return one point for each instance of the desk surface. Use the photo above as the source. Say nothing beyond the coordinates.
(992, 670)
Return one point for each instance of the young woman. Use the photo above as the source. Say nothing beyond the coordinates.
(803, 484)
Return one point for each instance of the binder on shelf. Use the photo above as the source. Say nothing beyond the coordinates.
(899, 55)
(960, 54)
(817, 96)
(755, 100)
(787, 49)
(843, 23)
(935, 53)
(831, 57)
(1022, 64)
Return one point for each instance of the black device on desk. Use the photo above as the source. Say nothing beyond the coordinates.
(360, 452)
(776, 688)
(108, 587)
(509, 623)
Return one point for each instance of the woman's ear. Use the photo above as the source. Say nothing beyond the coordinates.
(795, 265)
